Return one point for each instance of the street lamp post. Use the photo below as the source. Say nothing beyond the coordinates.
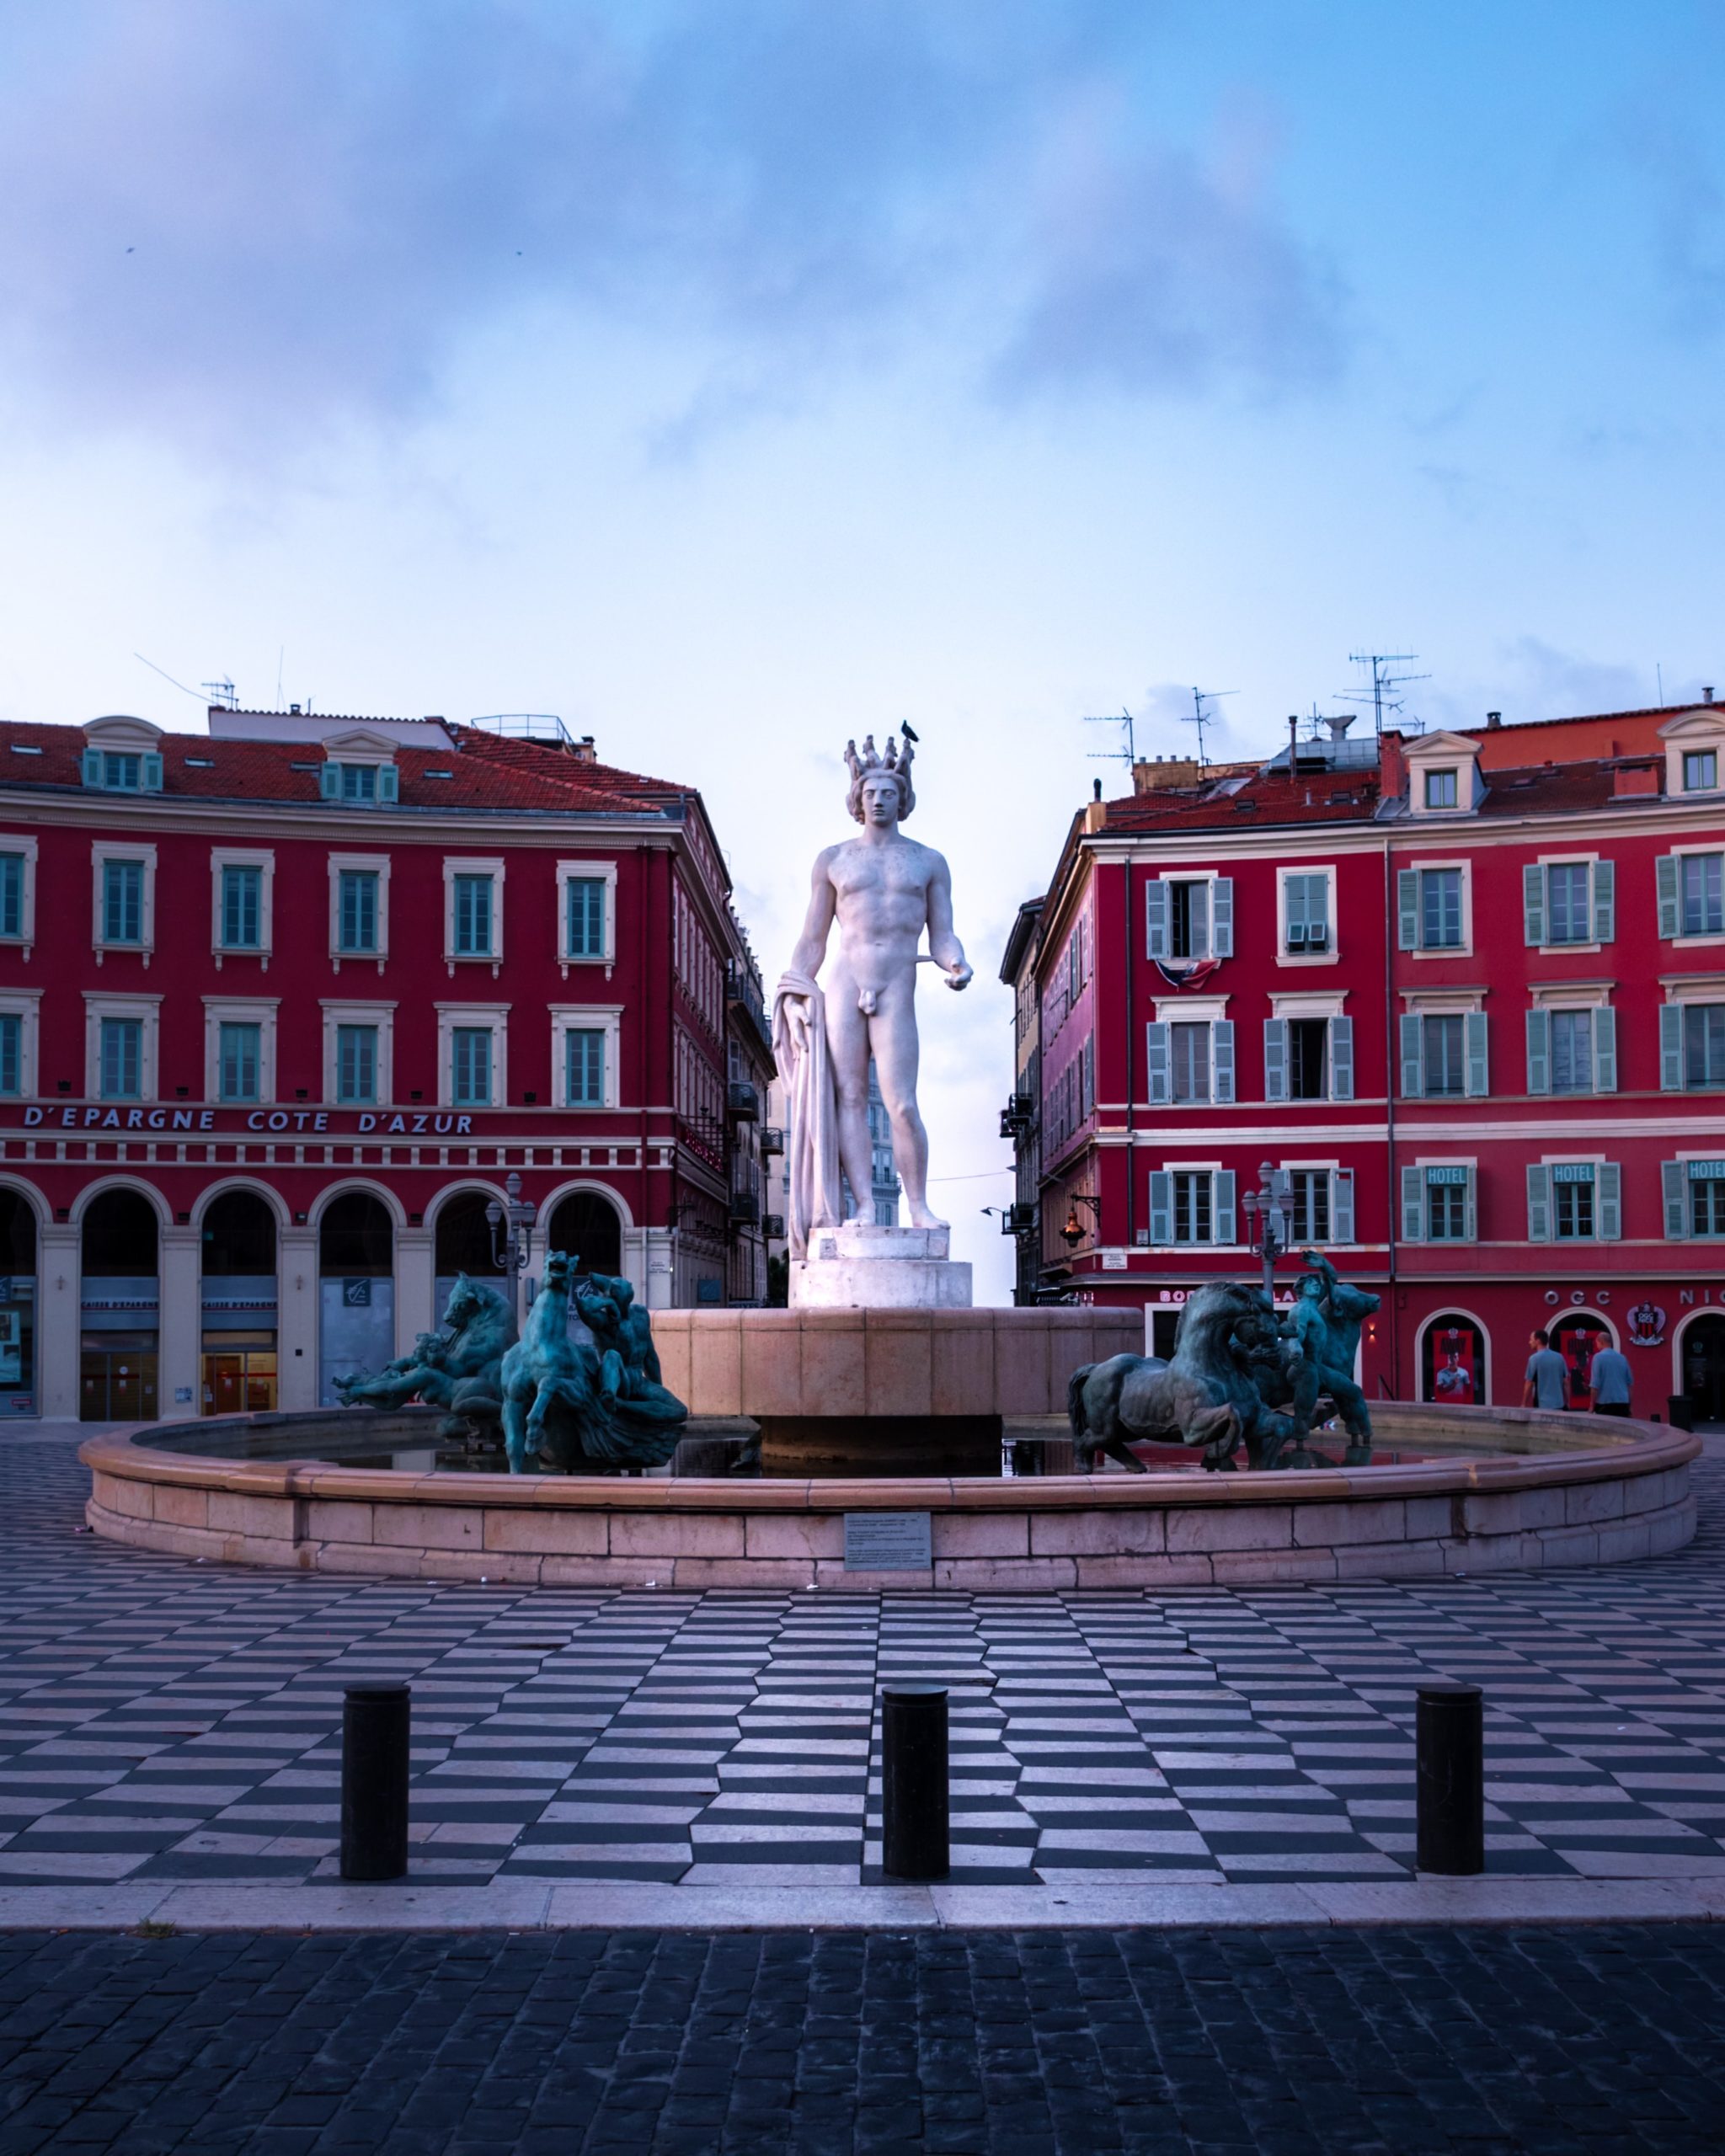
(1267, 1224)
(511, 1227)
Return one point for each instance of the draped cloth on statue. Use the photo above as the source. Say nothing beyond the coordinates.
(812, 1140)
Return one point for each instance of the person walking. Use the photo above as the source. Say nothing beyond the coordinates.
(1613, 1381)
(1547, 1375)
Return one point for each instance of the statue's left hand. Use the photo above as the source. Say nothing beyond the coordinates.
(958, 976)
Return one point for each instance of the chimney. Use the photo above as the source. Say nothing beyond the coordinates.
(1707, 694)
(1293, 748)
(583, 751)
(1095, 789)
(1494, 718)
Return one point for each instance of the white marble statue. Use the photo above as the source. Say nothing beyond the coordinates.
(882, 889)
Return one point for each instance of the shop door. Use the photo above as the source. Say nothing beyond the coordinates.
(1577, 1340)
(240, 1381)
(116, 1384)
(1704, 1368)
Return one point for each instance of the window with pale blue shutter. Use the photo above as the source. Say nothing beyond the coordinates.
(1605, 901)
(584, 902)
(1305, 904)
(1702, 888)
(1703, 1047)
(11, 1054)
(356, 1064)
(1474, 1026)
(1155, 1062)
(1538, 1051)
(122, 901)
(356, 911)
(1571, 1051)
(1221, 919)
(1413, 1056)
(1569, 911)
(1155, 918)
(1443, 1055)
(1222, 1058)
(1533, 904)
(241, 908)
(121, 1049)
(237, 1056)
(1275, 1059)
(1665, 875)
(1224, 1204)
(1448, 1197)
(1670, 1047)
(1162, 1206)
(1673, 1189)
(1605, 1049)
(584, 1053)
(1342, 1205)
(389, 788)
(1407, 908)
(12, 896)
(1412, 1205)
(1574, 1189)
(1440, 909)
(1608, 1202)
(1538, 1203)
(470, 1047)
(472, 905)
(1706, 1198)
(1341, 1058)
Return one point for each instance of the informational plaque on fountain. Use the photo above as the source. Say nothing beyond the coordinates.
(888, 1542)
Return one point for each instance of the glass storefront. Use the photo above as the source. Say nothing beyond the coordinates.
(119, 1314)
(239, 1371)
(17, 1305)
(355, 1291)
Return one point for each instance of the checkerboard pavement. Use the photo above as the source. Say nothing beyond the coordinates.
(173, 1721)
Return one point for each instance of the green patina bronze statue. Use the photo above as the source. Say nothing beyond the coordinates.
(1240, 1377)
(577, 1408)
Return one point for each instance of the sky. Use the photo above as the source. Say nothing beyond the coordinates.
(732, 378)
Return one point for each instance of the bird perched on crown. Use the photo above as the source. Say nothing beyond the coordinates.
(882, 889)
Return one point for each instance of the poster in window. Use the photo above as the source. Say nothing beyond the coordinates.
(11, 1349)
(1455, 1376)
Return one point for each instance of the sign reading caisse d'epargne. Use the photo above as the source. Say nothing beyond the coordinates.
(888, 1542)
(349, 1122)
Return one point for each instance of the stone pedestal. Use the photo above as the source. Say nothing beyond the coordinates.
(863, 1267)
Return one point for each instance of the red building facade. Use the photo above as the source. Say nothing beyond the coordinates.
(283, 1007)
(1464, 992)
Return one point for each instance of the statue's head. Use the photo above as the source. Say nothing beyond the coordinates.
(620, 1292)
(880, 792)
(1310, 1286)
(557, 1269)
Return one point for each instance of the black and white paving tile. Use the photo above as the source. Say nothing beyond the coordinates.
(171, 1722)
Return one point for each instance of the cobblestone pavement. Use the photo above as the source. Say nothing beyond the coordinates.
(1293, 2043)
(164, 1721)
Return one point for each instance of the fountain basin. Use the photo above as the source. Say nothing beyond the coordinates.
(1494, 1489)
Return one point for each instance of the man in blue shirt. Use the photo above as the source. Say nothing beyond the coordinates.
(1548, 1375)
(1613, 1382)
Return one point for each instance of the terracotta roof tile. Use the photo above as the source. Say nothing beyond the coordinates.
(1332, 797)
(486, 771)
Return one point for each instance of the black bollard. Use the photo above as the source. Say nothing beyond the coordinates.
(1449, 1753)
(914, 1789)
(375, 1721)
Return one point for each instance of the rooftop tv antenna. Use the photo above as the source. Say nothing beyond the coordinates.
(1383, 697)
(1200, 717)
(1128, 754)
(221, 692)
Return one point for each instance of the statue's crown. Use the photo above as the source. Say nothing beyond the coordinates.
(895, 763)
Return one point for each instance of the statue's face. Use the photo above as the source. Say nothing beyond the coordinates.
(880, 800)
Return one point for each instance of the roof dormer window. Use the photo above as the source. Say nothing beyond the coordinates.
(359, 769)
(1443, 774)
(1440, 788)
(1701, 771)
(1694, 742)
(120, 756)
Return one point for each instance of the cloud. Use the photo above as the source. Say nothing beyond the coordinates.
(248, 223)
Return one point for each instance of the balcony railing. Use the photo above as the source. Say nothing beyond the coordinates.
(773, 1226)
(1018, 1220)
(772, 1140)
(745, 1207)
(742, 1101)
(1017, 1115)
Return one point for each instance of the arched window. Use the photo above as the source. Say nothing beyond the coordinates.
(239, 1236)
(1703, 1356)
(1578, 1337)
(590, 1228)
(355, 1237)
(464, 1241)
(18, 1234)
(119, 1237)
(1453, 1363)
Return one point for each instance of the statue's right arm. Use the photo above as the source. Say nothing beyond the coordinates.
(811, 944)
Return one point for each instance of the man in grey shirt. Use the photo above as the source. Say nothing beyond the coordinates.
(1613, 1382)
(1547, 1375)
